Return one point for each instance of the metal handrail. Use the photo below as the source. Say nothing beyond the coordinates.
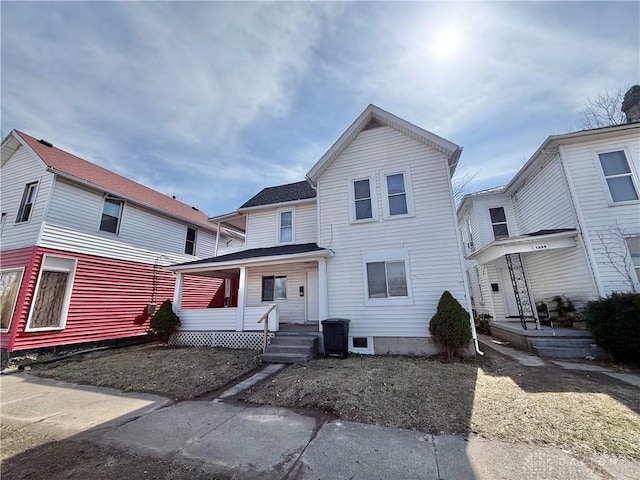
(265, 318)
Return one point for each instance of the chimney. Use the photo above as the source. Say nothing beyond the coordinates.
(631, 104)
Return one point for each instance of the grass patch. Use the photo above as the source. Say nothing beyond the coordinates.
(179, 373)
(487, 396)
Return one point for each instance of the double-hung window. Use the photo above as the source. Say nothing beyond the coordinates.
(363, 205)
(618, 176)
(285, 226)
(190, 242)
(398, 199)
(499, 223)
(111, 215)
(633, 245)
(274, 288)
(28, 199)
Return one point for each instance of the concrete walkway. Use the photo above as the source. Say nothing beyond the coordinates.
(276, 443)
(530, 360)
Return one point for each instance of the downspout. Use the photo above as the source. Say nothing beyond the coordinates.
(474, 334)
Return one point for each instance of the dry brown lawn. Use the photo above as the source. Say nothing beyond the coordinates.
(178, 373)
(490, 397)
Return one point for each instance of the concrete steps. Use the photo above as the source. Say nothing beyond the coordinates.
(291, 346)
(565, 347)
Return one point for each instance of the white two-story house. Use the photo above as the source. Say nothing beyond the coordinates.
(83, 249)
(370, 236)
(567, 225)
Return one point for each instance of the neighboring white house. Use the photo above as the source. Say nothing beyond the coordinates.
(83, 248)
(567, 224)
(370, 236)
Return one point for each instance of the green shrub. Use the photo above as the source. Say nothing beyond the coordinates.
(615, 324)
(164, 322)
(450, 325)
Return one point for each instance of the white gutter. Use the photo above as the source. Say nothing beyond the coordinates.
(277, 204)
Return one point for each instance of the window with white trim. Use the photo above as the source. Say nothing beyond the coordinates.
(618, 175)
(274, 288)
(285, 226)
(53, 294)
(26, 204)
(190, 241)
(10, 280)
(499, 223)
(361, 345)
(633, 244)
(386, 279)
(363, 200)
(470, 244)
(397, 192)
(111, 215)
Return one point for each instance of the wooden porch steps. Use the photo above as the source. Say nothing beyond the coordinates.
(292, 345)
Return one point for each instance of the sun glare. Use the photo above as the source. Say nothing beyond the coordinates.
(446, 43)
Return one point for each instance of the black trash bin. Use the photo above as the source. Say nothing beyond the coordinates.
(336, 337)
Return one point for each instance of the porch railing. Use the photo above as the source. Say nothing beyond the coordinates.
(265, 318)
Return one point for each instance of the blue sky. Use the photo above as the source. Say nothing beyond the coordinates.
(212, 101)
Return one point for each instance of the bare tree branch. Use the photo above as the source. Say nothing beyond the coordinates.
(460, 184)
(603, 111)
(613, 247)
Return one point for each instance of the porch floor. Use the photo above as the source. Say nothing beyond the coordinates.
(514, 327)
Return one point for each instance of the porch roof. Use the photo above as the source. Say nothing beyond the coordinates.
(279, 254)
(539, 241)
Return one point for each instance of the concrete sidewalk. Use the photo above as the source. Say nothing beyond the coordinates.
(276, 443)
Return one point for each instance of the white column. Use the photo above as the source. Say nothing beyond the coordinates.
(177, 292)
(323, 297)
(242, 298)
(215, 251)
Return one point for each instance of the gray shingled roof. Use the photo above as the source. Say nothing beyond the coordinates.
(281, 193)
(258, 252)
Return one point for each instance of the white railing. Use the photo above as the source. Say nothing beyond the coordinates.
(264, 319)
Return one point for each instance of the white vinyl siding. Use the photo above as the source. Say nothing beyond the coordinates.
(600, 217)
(429, 237)
(140, 228)
(263, 226)
(291, 309)
(23, 168)
(543, 202)
(481, 219)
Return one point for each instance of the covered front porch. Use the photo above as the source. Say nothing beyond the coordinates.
(286, 285)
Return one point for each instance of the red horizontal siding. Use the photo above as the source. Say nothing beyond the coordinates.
(20, 257)
(108, 300)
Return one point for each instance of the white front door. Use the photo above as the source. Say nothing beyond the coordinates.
(509, 298)
(311, 294)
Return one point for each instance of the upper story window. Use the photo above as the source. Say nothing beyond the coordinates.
(285, 226)
(397, 190)
(499, 223)
(111, 215)
(618, 175)
(190, 242)
(274, 288)
(362, 199)
(28, 199)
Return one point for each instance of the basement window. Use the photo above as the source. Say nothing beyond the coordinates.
(362, 345)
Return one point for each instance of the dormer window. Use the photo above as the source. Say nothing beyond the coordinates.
(499, 223)
(111, 215)
(285, 227)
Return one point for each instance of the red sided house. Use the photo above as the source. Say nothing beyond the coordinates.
(83, 249)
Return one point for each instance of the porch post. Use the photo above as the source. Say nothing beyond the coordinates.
(323, 298)
(242, 296)
(177, 292)
(215, 251)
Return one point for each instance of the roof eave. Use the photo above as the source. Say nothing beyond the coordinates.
(277, 204)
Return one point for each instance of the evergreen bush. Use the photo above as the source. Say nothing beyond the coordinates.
(164, 322)
(450, 325)
(615, 324)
